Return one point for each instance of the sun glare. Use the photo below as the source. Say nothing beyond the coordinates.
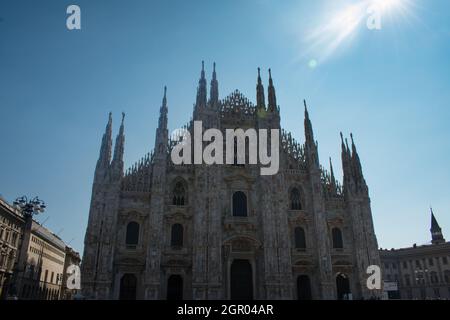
(340, 25)
(386, 5)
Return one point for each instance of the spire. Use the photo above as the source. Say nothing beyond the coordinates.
(163, 111)
(117, 163)
(162, 134)
(203, 70)
(332, 178)
(345, 156)
(310, 144)
(348, 149)
(354, 181)
(120, 140)
(272, 99)
(344, 150)
(356, 161)
(260, 100)
(436, 231)
(164, 101)
(106, 148)
(214, 92)
(309, 134)
(201, 90)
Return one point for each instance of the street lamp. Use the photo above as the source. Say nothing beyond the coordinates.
(29, 208)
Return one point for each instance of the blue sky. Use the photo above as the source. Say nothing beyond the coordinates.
(390, 87)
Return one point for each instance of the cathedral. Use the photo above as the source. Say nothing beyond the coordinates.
(214, 232)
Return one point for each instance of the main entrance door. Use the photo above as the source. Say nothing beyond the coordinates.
(342, 286)
(175, 287)
(128, 285)
(303, 288)
(241, 280)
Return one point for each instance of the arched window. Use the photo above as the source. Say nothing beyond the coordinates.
(296, 203)
(300, 239)
(176, 239)
(239, 204)
(132, 238)
(179, 194)
(337, 238)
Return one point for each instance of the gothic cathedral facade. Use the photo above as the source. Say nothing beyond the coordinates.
(165, 231)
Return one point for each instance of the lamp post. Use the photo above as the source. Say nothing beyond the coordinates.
(29, 208)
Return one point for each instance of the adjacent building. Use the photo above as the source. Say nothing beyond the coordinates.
(12, 224)
(166, 231)
(419, 272)
(33, 260)
(41, 264)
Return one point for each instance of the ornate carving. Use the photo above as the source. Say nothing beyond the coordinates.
(241, 245)
(294, 150)
(138, 177)
(236, 105)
